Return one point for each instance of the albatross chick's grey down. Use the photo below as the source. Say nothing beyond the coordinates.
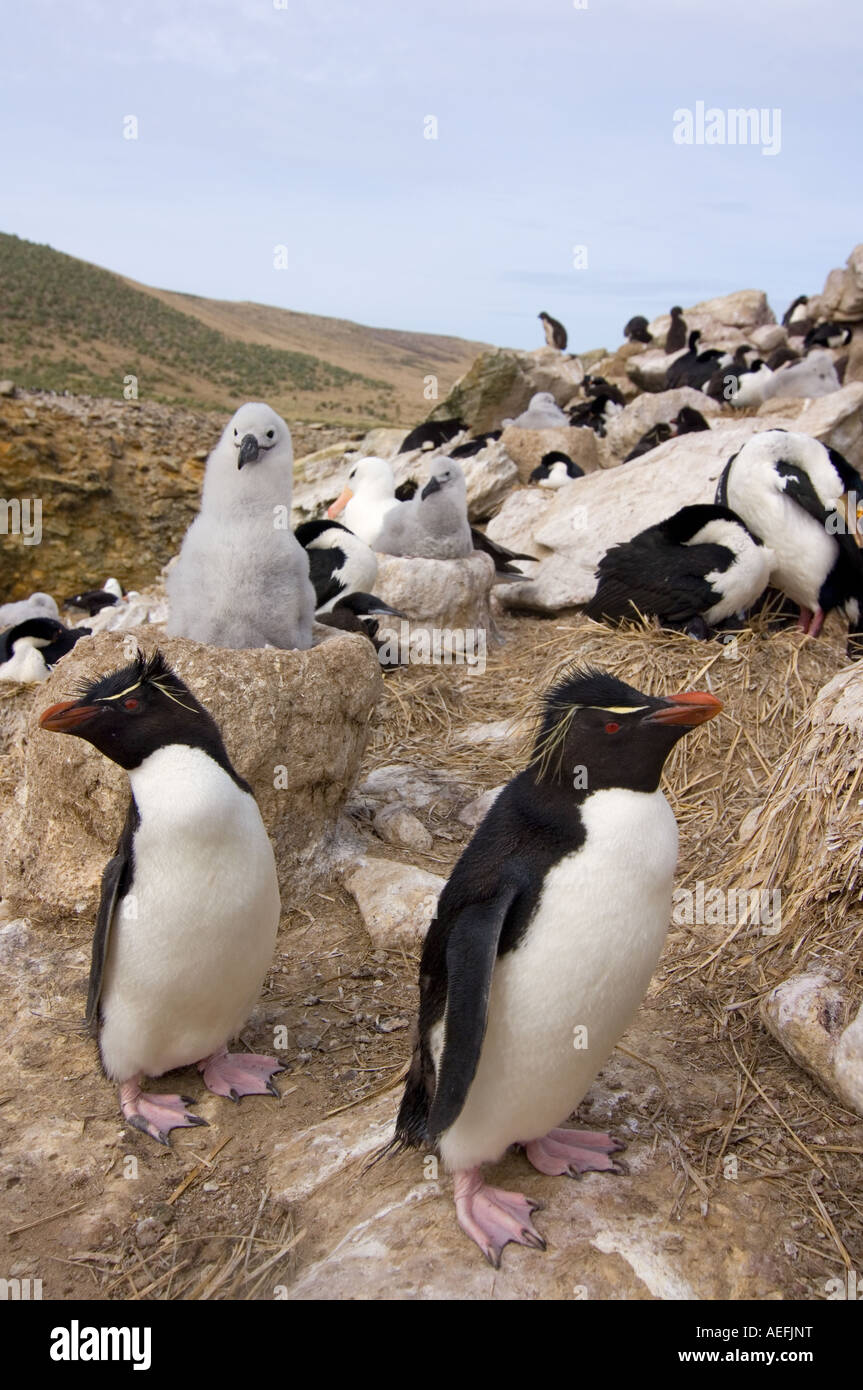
(190, 901)
(543, 945)
(433, 524)
(242, 577)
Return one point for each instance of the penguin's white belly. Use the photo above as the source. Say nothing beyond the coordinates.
(561, 1000)
(191, 942)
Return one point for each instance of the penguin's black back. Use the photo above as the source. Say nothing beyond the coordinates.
(524, 834)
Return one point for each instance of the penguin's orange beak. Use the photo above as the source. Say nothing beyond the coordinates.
(66, 717)
(690, 707)
(340, 503)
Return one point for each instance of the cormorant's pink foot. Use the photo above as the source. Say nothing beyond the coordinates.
(806, 618)
(817, 622)
(155, 1113)
(235, 1074)
(575, 1151)
(492, 1218)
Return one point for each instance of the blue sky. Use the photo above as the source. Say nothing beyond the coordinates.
(303, 126)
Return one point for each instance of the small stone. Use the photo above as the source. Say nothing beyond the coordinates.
(475, 810)
(398, 826)
(149, 1232)
(391, 1025)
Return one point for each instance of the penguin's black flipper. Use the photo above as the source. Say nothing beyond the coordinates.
(471, 952)
(116, 878)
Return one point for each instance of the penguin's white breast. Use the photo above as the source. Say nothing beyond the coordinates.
(561, 1000)
(193, 939)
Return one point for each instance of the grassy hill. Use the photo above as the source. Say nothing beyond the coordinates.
(68, 325)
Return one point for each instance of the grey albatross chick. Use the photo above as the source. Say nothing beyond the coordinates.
(242, 577)
(434, 525)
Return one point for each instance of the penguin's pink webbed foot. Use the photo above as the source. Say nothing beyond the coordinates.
(571, 1152)
(235, 1074)
(155, 1113)
(811, 623)
(492, 1218)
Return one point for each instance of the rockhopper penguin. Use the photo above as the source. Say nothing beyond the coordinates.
(190, 901)
(546, 935)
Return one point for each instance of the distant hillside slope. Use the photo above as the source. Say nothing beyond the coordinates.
(69, 325)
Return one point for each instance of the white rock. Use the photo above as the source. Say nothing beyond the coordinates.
(382, 443)
(475, 810)
(519, 519)
(528, 447)
(451, 594)
(648, 410)
(417, 787)
(489, 478)
(814, 376)
(309, 1159)
(397, 902)
(398, 826)
(496, 731)
(743, 311)
(849, 1064)
(768, 337)
(806, 1014)
(649, 370)
(837, 420)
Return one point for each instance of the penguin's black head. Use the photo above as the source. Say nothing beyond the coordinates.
(130, 713)
(676, 311)
(596, 732)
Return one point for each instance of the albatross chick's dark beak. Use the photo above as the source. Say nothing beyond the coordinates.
(249, 450)
(431, 486)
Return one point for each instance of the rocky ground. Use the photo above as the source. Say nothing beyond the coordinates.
(274, 1199)
(743, 1150)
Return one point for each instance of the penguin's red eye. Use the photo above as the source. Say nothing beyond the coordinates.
(130, 704)
(612, 728)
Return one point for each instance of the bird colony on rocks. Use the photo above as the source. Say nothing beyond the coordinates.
(704, 474)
